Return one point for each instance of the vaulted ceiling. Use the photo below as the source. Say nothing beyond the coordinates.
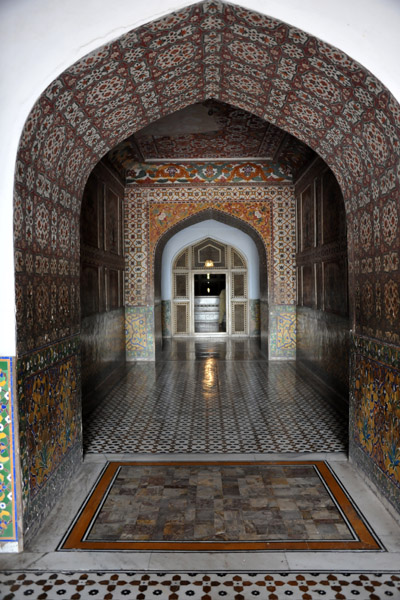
(211, 130)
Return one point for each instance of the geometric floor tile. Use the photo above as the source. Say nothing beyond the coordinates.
(204, 399)
(198, 586)
(219, 506)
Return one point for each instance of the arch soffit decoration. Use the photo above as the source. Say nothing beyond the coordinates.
(222, 217)
(208, 50)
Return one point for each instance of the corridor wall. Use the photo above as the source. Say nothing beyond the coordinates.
(322, 278)
(101, 283)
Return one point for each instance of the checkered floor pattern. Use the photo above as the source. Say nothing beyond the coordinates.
(209, 405)
(199, 586)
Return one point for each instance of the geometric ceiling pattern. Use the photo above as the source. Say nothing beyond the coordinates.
(211, 130)
(207, 51)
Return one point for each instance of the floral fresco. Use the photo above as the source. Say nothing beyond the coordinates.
(377, 405)
(199, 173)
(49, 412)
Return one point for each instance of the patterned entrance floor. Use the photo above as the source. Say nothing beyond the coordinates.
(199, 586)
(216, 397)
(219, 506)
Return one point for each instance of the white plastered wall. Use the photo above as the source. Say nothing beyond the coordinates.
(221, 233)
(39, 39)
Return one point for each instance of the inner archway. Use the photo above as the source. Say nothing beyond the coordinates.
(221, 233)
(210, 290)
(217, 216)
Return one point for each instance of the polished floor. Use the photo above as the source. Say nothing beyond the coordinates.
(214, 396)
(211, 401)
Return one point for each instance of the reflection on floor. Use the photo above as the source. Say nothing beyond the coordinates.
(222, 398)
(219, 506)
(217, 397)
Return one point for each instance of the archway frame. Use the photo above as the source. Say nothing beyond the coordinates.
(338, 108)
(228, 219)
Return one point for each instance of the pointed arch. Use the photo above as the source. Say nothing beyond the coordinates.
(207, 50)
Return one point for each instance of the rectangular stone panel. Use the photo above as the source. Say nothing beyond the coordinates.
(90, 213)
(90, 290)
(307, 218)
(112, 222)
(335, 286)
(308, 286)
(113, 289)
(333, 211)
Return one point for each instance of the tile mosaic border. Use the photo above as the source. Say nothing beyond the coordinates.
(139, 331)
(8, 483)
(282, 332)
(376, 350)
(213, 173)
(45, 357)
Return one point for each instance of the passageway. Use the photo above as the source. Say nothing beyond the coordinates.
(217, 396)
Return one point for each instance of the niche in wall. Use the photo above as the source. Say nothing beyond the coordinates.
(322, 279)
(102, 278)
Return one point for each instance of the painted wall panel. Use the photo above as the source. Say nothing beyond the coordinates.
(375, 414)
(322, 316)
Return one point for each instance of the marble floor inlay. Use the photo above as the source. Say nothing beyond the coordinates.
(217, 506)
(216, 397)
(199, 586)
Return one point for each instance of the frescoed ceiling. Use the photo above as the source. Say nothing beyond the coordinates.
(211, 130)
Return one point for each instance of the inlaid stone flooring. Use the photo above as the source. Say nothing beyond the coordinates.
(215, 398)
(219, 397)
(200, 586)
(219, 506)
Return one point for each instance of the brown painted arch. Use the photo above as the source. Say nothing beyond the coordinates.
(207, 50)
(221, 217)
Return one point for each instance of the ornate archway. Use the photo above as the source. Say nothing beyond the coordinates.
(208, 50)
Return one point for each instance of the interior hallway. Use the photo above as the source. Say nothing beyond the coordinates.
(203, 418)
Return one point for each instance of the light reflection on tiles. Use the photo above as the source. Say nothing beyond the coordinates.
(216, 397)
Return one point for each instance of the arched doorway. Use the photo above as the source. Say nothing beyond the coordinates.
(313, 91)
(259, 300)
(210, 290)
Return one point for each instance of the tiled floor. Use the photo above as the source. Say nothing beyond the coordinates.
(217, 397)
(42, 572)
(200, 586)
(210, 401)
